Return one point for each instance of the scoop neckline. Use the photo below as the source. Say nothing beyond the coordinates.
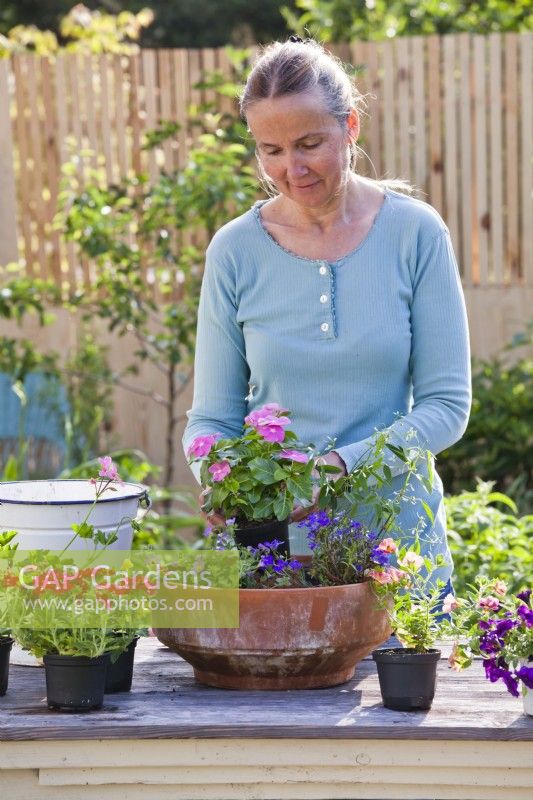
(256, 209)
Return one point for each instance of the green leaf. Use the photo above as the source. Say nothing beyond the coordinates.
(263, 470)
(428, 511)
(282, 505)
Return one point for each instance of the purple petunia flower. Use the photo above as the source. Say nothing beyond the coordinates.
(379, 557)
(524, 595)
(526, 614)
(525, 674)
(266, 561)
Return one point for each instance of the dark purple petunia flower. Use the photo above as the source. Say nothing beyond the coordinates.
(489, 643)
(267, 560)
(525, 674)
(526, 614)
(524, 595)
(504, 625)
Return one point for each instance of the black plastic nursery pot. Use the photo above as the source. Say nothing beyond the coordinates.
(258, 532)
(406, 678)
(120, 672)
(75, 683)
(5, 649)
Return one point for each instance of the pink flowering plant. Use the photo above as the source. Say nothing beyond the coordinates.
(259, 475)
(411, 595)
(106, 481)
(491, 623)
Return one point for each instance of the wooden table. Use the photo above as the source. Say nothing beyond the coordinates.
(175, 739)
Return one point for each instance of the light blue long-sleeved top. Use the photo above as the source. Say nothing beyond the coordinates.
(376, 339)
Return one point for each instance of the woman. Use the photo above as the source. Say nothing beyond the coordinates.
(338, 298)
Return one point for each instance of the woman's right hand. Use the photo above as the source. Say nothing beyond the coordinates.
(213, 518)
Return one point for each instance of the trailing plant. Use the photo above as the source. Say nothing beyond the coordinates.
(497, 625)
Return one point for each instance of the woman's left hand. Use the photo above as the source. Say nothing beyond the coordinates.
(332, 459)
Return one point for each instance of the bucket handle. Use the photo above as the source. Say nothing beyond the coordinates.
(145, 504)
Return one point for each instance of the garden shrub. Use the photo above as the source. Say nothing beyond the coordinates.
(498, 442)
(486, 540)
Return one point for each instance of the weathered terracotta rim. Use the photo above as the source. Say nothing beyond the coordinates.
(293, 589)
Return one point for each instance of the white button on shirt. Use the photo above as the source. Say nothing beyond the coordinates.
(323, 298)
(324, 327)
(323, 270)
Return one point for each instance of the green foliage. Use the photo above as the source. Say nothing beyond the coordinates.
(259, 481)
(81, 31)
(487, 541)
(89, 382)
(133, 233)
(345, 20)
(498, 442)
(412, 598)
(187, 23)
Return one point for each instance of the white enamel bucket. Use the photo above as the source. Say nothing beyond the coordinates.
(42, 512)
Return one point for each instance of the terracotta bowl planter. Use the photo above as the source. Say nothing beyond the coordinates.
(287, 639)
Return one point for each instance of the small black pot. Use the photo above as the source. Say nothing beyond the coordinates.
(258, 532)
(75, 683)
(5, 649)
(406, 678)
(120, 672)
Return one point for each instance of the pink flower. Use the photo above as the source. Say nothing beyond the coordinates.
(220, 470)
(268, 422)
(387, 575)
(387, 546)
(453, 660)
(201, 446)
(500, 588)
(489, 602)
(411, 559)
(449, 604)
(108, 469)
(270, 410)
(294, 455)
(272, 432)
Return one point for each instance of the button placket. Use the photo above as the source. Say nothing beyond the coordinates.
(326, 326)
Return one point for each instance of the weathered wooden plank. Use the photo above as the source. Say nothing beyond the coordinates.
(512, 183)
(8, 198)
(24, 177)
(465, 123)
(479, 141)
(419, 107)
(496, 160)
(166, 702)
(165, 92)
(385, 774)
(451, 177)
(119, 121)
(403, 70)
(148, 62)
(104, 69)
(181, 101)
(52, 167)
(436, 159)
(389, 116)
(526, 168)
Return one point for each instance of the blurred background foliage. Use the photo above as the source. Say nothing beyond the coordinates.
(215, 23)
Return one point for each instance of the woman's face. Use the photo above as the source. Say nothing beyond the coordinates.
(302, 148)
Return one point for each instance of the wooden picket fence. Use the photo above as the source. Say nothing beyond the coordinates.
(452, 115)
